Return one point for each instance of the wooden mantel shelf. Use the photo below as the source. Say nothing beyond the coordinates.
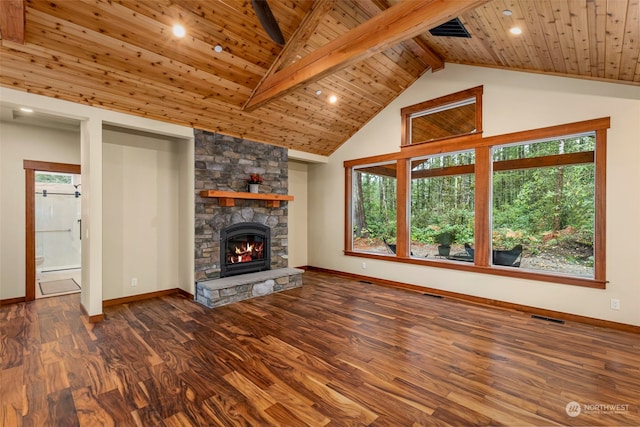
(227, 198)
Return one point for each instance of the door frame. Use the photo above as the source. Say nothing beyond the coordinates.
(30, 168)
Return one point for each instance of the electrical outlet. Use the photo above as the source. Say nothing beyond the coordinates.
(615, 304)
(134, 282)
(364, 265)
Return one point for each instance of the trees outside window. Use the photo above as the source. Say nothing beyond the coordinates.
(374, 204)
(544, 199)
(541, 190)
(442, 205)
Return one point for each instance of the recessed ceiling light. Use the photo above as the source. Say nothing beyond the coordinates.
(179, 31)
(26, 110)
(218, 48)
(507, 12)
(515, 30)
(318, 92)
(333, 99)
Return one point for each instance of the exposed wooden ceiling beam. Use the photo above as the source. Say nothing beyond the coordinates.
(421, 49)
(12, 20)
(417, 45)
(302, 34)
(297, 41)
(400, 22)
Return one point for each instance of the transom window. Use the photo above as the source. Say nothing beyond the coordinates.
(54, 177)
(449, 116)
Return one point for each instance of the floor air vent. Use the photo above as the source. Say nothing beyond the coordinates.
(548, 319)
(453, 28)
(433, 296)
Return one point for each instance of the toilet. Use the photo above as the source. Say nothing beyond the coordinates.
(39, 262)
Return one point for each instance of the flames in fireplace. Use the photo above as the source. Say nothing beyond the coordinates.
(244, 248)
(246, 251)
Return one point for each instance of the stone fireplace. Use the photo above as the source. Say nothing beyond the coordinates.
(223, 163)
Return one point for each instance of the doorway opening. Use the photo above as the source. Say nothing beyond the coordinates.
(58, 233)
(53, 229)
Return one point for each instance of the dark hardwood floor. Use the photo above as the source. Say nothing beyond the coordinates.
(335, 352)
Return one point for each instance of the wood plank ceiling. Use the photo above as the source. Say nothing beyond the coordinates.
(122, 55)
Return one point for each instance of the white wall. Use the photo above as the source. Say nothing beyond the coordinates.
(297, 216)
(186, 215)
(141, 227)
(512, 101)
(19, 142)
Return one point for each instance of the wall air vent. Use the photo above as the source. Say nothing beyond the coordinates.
(453, 28)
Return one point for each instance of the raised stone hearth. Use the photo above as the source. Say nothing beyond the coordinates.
(214, 293)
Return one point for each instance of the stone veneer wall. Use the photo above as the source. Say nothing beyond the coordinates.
(224, 163)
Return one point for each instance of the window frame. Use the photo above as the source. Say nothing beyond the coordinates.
(549, 161)
(445, 171)
(354, 170)
(484, 172)
(407, 114)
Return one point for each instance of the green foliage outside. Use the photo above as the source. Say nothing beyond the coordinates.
(377, 196)
(535, 207)
(442, 207)
(543, 208)
(54, 178)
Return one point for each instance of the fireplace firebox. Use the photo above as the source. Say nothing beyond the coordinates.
(245, 248)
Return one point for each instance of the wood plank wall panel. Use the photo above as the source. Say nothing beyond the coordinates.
(597, 39)
(123, 24)
(232, 31)
(172, 86)
(630, 60)
(334, 352)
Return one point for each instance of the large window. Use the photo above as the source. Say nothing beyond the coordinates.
(529, 204)
(544, 203)
(374, 208)
(442, 205)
